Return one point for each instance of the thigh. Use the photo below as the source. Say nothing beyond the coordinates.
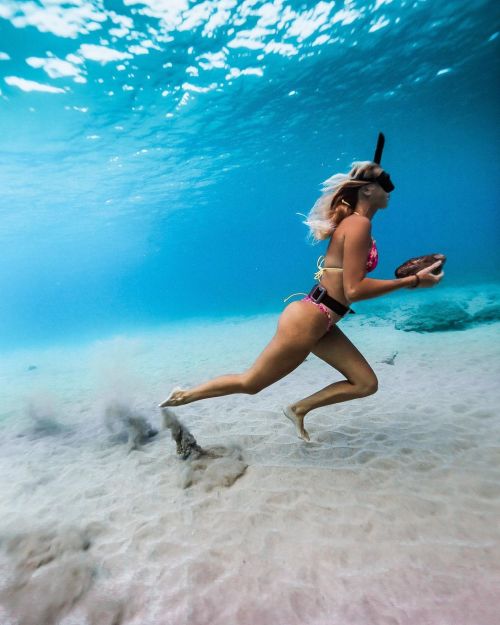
(278, 359)
(338, 351)
(299, 328)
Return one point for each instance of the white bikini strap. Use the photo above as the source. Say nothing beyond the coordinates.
(317, 276)
(293, 295)
(319, 273)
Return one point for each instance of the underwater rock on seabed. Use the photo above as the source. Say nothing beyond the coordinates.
(488, 314)
(212, 467)
(375, 320)
(435, 317)
(389, 360)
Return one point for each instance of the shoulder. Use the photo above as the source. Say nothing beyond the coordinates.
(357, 225)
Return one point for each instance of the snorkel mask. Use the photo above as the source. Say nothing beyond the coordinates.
(383, 179)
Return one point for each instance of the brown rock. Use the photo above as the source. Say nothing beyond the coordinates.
(414, 265)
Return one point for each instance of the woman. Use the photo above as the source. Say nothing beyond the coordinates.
(343, 213)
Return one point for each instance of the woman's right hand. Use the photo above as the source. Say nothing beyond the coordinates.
(428, 279)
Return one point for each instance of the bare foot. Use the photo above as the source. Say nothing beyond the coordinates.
(177, 397)
(298, 421)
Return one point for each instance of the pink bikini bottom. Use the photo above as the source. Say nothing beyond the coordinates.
(324, 309)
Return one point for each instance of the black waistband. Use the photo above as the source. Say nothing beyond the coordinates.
(319, 295)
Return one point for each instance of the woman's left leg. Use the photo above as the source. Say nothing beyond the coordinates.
(299, 328)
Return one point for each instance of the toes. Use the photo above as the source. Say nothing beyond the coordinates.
(168, 402)
(173, 399)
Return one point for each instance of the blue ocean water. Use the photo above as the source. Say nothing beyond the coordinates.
(156, 154)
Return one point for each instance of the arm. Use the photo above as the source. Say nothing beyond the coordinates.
(369, 288)
(357, 243)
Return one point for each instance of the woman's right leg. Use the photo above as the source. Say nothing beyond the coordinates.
(338, 351)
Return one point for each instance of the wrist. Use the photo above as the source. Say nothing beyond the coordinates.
(414, 281)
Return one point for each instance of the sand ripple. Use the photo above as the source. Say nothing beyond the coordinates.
(389, 516)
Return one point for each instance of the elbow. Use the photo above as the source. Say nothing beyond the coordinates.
(351, 295)
(353, 291)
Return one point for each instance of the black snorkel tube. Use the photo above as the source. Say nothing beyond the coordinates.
(383, 179)
(379, 149)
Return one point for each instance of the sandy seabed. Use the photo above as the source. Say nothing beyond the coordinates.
(389, 516)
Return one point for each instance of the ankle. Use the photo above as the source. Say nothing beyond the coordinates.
(299, 410)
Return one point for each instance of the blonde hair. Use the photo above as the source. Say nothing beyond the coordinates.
(338, 200)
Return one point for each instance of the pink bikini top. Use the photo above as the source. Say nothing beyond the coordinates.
(371, 262)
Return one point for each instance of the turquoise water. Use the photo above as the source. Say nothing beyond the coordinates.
(156, 154)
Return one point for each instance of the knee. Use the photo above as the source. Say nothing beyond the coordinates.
(370, 387)
(250, 385)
